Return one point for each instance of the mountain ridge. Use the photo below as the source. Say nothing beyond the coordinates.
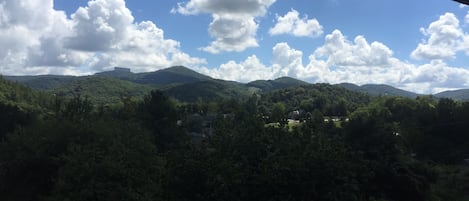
(461, 94)
(380, 90)
(175, 79)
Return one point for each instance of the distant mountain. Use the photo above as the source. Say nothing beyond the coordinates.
(101, 90)
(169, 76)
(177, 74)
(172, 75)
(186, 85)
(462, 94)
(42, 82)
(279, 83)
(379, 90)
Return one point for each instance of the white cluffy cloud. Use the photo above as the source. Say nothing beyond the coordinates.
(445, 39)
(338, 60)
(233, 26)
(466, 19)
(37, 39)
(291, 23)
(30, 34)
(341, 60)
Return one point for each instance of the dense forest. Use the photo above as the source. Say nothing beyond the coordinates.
(311, 142)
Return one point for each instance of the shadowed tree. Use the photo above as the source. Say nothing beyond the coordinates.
(159, 113)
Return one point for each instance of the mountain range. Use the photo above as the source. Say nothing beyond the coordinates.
(186, 85)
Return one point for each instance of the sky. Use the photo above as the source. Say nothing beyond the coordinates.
(419, 45)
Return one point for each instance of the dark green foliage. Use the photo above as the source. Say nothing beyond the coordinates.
(24, 98)
(101, 90)
(207, 91)
(159, 113)
(372, 132)
(19, 106)
(118, 163)
(12, 117)
(229, 143)
(279, 113)
(328, 99)
(247, 161)
(80, 160)
(29, 158)
(453, 183)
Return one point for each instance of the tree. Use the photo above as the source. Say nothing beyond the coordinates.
(118, 163)
(12, 117)
(395, 177)
(279, 113)
(159, 114)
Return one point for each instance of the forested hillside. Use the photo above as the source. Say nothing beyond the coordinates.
(312, 142)
(186, 85)
(101, 90)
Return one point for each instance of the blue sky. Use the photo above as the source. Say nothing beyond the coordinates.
(419, 45)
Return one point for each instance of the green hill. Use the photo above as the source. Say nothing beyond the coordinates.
(168, 76)
(23, 97)
(208, 90)
(186, 85)
(379, 90)
(42, 82)
(462, 94)
(279, 83)
(102, 90)
(172, 75)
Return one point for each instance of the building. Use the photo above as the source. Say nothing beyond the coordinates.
(121, 69)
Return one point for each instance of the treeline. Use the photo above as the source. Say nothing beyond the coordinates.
(388, 148)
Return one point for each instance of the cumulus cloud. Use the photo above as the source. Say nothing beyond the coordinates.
(286, 60)
(249, 7)
(445, 39)
(99, 26)
(233, 26)
(232, 33)
(37, 39)
(145, 48)
(291, 23)
(245, 71)
(341, 52)
(466, 19)
(30, 36)
(340, 60)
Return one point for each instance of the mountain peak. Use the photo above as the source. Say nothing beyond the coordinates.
(172, 75)
(177, 68)
(279, 83)
(290, 80)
